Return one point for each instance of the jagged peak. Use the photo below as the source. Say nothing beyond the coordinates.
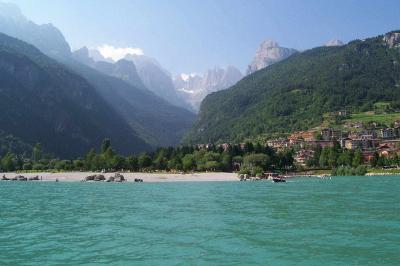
(392, 39)
(334, 42)
(269, 43)
(11, 11)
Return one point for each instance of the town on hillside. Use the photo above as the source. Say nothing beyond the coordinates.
(384, 142)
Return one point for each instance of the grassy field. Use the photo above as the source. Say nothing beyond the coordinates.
(383, 171)
(372, 117)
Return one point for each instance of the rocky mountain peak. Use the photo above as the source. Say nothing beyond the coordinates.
(268, 53)
(268, 44)
(392, 39)
(46, 37)
(193, 88)
(334, 42)
(11, 12)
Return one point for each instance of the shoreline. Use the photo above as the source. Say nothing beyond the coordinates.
(130, 177)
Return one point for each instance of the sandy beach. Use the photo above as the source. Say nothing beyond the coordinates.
(147, 177)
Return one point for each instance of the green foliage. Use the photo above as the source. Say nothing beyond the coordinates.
(245, 171)
(254, 159)
(257, 160)
(37, 152)
(188, 162)
(7, 163)
(350, 171)
(325, 79)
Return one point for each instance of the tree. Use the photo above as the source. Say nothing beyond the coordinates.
(37, 152)
(248, 147)
(105, 145)
(160, 162)
(358, 158)
(89, 160)
(332, 158)
(108, 158)
(226, 162)
(344, 159)
(285, 159)
(374, 160)
(144, 161)
(396, 159)
(257, 160)
(7, 162)
(188, 162)
(132, 163)
(212, 165)
(323, 159)
(117, 162)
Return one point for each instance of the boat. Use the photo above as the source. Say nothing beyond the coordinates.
(279, 179)
(275, 177)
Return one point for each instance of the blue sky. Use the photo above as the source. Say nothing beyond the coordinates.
(192, 36)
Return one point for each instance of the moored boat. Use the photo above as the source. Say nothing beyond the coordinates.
(279, 179)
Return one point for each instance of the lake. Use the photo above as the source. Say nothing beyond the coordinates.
(306, 221)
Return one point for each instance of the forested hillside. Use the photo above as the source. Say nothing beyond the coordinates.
(295, 93)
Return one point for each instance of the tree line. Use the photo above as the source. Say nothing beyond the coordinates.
(248, 158)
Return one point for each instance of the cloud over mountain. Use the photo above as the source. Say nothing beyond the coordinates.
(117, 53)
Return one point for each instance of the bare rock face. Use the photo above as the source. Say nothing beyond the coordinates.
(193, 88)
(334, 42)
(267, 54)
(46, 37)
(392, 39)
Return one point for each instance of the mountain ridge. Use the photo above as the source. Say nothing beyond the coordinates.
(42, 101)
(294, 93)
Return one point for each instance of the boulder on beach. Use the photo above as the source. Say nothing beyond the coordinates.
(33, 178)
(99, 178)
(119, 178)
(96, 178)
(19, 178)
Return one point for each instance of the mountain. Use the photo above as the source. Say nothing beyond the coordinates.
(194, 88)
(46, 37)
(267, 54)
(41, 101)
(155, 120)
(294, 94)
(334, 42)
(122, 69)
(156, 79)
(149, 118)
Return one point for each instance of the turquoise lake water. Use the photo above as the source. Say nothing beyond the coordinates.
(343, 221)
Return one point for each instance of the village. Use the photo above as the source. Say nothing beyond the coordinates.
(383, 141)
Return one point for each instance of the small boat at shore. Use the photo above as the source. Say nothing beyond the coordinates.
(279, 179)
(275, 177)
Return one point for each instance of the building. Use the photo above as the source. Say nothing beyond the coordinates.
(353, 144)
(322, 143)
(302, 156)
(278, 144)
(388, 133)
(305, 135)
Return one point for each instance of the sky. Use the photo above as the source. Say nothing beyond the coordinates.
(188, 36)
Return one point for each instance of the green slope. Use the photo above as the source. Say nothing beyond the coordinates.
(42, 101)
(295, 93)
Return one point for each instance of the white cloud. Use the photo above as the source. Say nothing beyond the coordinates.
(186, 91)
(185, 77)
(115, 53)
